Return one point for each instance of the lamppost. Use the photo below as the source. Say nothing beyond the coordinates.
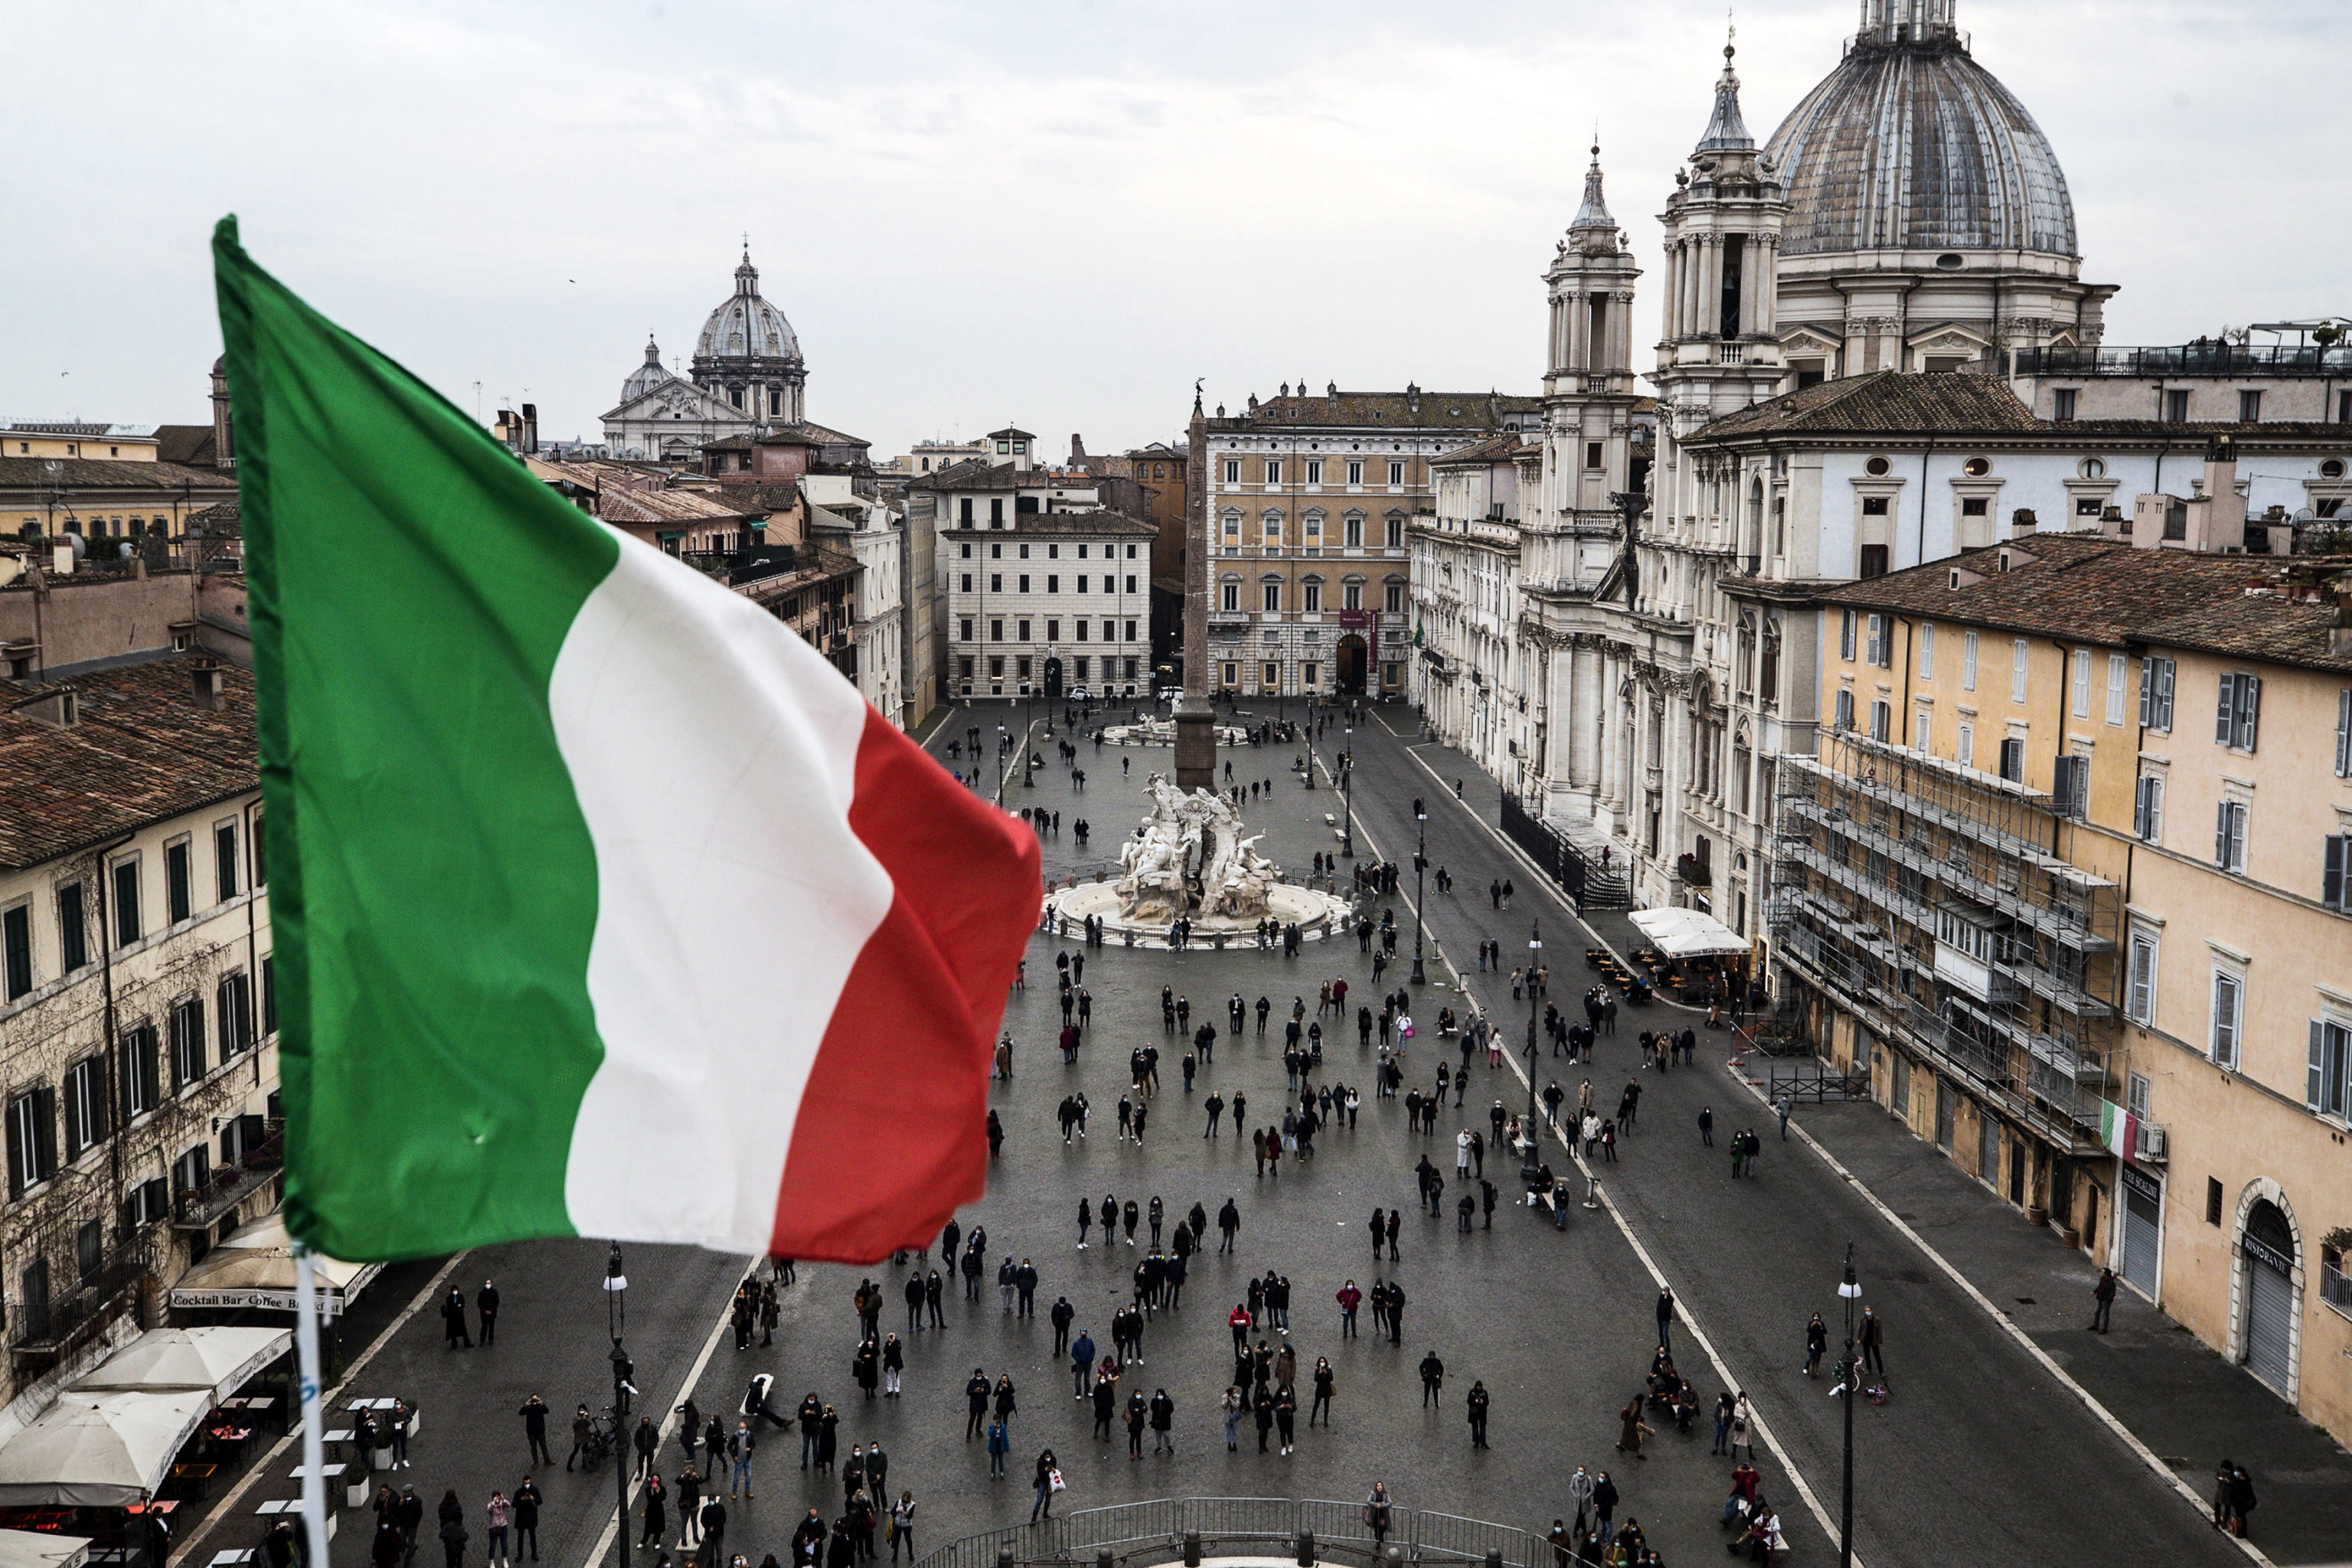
(1004, 744)
(1347, 793)
(616, 1316)
(1850, 1289)
(1528, 1163)
(1029, 721)
(1420, 865)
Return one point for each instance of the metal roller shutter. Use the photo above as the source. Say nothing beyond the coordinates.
(2270, 1316)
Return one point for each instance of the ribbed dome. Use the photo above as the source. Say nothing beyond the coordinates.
(1912, 145)
(745, 326)
(646, 376)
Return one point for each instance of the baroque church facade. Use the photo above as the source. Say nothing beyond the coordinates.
(746, 379)
(1907, 215)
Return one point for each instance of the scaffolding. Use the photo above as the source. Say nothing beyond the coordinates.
(1947, 911)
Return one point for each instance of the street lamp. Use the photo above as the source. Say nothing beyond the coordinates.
(1528, 1164)
(1850, 1289)
(1420, 865)
(1347, 792)
(1004, 744)
(1029, 721)
(616, 1317)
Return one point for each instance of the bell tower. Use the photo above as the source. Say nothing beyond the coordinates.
(1589, 398)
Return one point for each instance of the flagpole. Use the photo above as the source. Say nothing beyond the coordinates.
(306, 1347)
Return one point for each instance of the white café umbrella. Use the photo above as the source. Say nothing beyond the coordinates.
(1687, 933)
(98, 1450)
(254, 1268)
(218, 1359)
(39, 1549)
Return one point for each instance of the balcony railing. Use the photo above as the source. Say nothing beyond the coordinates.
(200, 1209)
(41, 1334)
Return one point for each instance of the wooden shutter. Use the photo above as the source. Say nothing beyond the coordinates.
(2331, 873)
(2225, 717)
(2314, 1076)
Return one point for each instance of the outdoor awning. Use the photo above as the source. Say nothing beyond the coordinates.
(255, 1268)
(39, 1549)
(98, 1450)
(1687, 933)
(217, 1360)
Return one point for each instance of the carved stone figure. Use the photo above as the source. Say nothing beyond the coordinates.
(1190, 859)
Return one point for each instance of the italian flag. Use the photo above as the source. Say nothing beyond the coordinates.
(603, 904)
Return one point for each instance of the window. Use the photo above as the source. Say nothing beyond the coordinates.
(1023, 580)
(1351, 596)
(996, 582)
(126, 902)
(2116, 669)
(1311, 594)
(225, 878)
(1230, 596)
(1231, 674)
(2230, 836)
(2343, 734)
(1968, 662)
(1273, 676)
(2176, 406)
(1233, 525)
(1846, 710)
(193, 1172)
(1314, 470)
(2135, 1093)
(2324, 1088)
(1964, 749)
(2234, 723)
(1923, 726)
(2148, 810)
(2013, 759)
(2212, 1201)
(2250, 407)
(1881, 645)
(2017, 667)
(997, 512)
(32, 1144)
(1873, 506)
(1396, 475)
(1274, 596)
(1274, 471)
(1130, 584)
(1130, 631)
(1272, 521)
(1054, 584)
(2061, 404)
(2140, 1004)
(1233, 470)
(2069, 786)
(1394, 598)
(2082, 683)
(1927, 651)
(233, 1005)
(1880, 719)
(1020, 631)
(964, 627)
(2155, 694)
(143, 1083)
(84, 1105)
(1592, 454)
(73, 936)
(2335, 871)
(2228, 1009)
(1973, 506)
(15, 952)
(1306, 677)
(995, 631)
(1353, 534)
(188, 1062)
(1355, 471)
(1845, 635)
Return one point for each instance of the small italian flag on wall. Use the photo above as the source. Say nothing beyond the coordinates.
(2119, 1131)
(603, 904)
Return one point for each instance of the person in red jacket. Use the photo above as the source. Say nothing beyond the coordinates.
(1349, 1299)
(1238, 1320)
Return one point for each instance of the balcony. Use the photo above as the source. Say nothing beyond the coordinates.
(1692, 871)
(2208, 359)
(42, 1334)
(202, 1208)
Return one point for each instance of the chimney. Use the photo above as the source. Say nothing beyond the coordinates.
(208, 683)
(530, 429)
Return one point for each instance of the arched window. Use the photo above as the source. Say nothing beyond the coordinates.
(1741, 756)
(1752, 541)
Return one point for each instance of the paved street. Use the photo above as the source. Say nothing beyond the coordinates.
(1980, 1456)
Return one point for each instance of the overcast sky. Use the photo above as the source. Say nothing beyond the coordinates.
(1058, 213)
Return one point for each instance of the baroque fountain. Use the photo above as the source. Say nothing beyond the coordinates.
(1190, 861)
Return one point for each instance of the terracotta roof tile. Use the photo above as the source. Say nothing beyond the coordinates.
(142, 751)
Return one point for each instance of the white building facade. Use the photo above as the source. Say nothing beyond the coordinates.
(1470, 656)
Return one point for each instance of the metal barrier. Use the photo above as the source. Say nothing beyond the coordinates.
(1241, 1518)
(1155, 1530)
(1449, 1538)
(1120, 1525)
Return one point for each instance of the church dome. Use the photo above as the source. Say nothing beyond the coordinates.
(746, 328)
(646, 376)
(1911, 146)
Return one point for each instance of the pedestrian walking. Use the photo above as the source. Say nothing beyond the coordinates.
(454, 1334)
(1743, 1434)
(1631, 1429)
(1874, 1339)
(1049, 1481)
(1665, 1311)
(2103, 1300)
(1817, 1343)
(534, 1429)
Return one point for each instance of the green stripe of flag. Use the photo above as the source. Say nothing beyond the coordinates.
(434, 887)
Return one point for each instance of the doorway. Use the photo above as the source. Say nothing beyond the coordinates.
(1353, 659)
(2268, 1248)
